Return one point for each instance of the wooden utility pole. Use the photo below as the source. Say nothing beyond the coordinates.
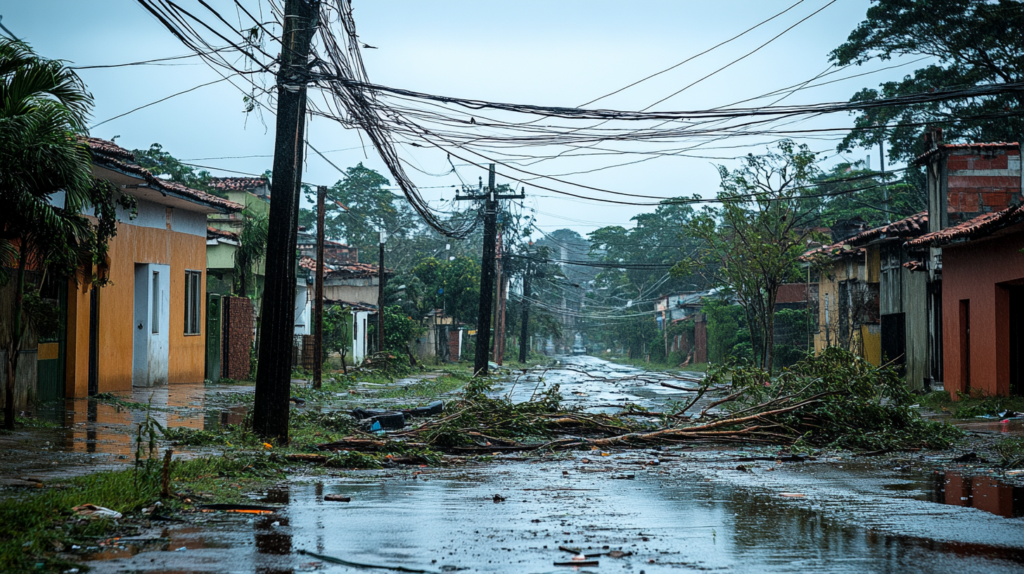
(318, 306)
(380, 295)
(273, 379)
(524, 332)
(483, 327)
(499, 285)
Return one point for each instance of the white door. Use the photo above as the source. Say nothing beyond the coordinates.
(151, 324)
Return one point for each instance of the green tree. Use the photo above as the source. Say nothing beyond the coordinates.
(838, 198)
(750, 244)
(973, 42)
(43, 110)
(160, 162)
(337, 333)
(252, 248)
(366, 207)
(451, 285)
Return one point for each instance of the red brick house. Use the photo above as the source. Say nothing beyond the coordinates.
(974, 244)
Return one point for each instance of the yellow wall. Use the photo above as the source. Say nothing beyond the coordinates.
(864, 267)
(187, 354)
(871, 343)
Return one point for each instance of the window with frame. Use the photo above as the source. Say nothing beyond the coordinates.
(193, 302)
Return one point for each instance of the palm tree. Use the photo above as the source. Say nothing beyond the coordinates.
(43, 110)
(252, 248)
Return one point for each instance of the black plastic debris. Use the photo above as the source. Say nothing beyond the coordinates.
(434, 408)
(387, 419)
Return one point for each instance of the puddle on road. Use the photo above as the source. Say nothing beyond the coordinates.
(93, 427)
(670, 522)
(981, 492)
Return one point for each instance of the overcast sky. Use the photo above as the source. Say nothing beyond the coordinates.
(560, 53)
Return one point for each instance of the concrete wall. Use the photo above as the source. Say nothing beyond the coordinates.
(973, 273)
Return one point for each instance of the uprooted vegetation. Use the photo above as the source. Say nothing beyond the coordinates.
(834, 400)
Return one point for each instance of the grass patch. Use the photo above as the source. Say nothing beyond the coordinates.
(967, 407)
(34, 526)
(427, 388)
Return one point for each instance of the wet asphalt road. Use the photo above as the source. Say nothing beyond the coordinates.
(693, 511)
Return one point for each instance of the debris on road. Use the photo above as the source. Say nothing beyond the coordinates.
(93, 511)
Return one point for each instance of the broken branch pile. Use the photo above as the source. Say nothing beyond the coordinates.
(835, 399)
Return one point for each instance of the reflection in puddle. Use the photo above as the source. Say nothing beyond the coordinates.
(981, 492)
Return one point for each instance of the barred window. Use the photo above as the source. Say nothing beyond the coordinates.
(193, 302)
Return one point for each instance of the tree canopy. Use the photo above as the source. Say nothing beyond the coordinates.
(970, 42)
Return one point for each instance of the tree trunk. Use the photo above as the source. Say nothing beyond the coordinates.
(14, 347)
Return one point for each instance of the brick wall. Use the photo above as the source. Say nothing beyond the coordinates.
(982, 182)
(453, 345)
(238, 326)
(700, 339)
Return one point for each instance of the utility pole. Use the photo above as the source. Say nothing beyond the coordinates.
(483, 327)
(524, 332)
(885, 186)
(499, 328)
(273, 379)
(380, 294)
(318, 306)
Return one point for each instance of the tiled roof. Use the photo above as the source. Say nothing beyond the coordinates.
(980, 146)
(238, 183)
(342, 268)
(980, 226)
(214, 233)
(909, 227)
(109, 154)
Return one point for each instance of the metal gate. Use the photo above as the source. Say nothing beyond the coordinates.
(213, 337)
(51, 355)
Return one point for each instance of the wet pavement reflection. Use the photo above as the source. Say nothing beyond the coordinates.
(673, 520)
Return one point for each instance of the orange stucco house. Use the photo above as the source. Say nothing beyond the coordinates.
(146, 327)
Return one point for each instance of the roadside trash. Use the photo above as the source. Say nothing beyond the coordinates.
(1014, 472)
(434, 408)
(376, 427)
(182, 549)
(385, 419)
(578, 563)
(93, 511)
(618, 554)
(275, 524)
(579, 557)
(298, 401)
(498, 498)
(791, 495)
(624, 477)
(267, 445)
(239, 508)
(337, 498)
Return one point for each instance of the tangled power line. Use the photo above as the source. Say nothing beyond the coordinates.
(242, 49)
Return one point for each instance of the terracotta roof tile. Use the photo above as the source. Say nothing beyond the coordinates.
(213, 232)
(238, 183)
(110, 154)
(909, 227)
(980, 226)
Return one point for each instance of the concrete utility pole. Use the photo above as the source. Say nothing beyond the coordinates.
(273, 379)
(380, 294)
(524, 332)
(885, 186)
(483, 327)
(499, 326)
(318, 306)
